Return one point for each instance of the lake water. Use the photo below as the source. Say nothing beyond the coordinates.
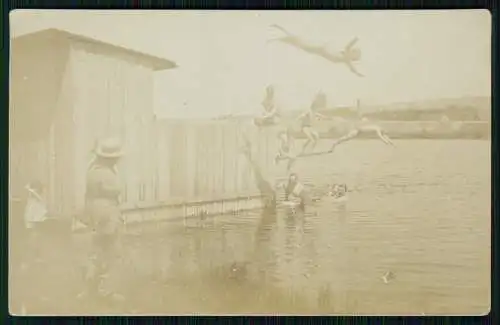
(420, 211)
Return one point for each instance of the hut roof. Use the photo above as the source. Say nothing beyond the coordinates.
(154, 62)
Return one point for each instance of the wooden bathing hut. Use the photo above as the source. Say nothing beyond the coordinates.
(66, 91)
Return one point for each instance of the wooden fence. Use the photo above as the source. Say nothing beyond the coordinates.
(198, 166)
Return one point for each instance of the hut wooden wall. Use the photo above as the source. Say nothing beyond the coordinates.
(38, 113)
(68, 91)
(115, 100)
(202, 160)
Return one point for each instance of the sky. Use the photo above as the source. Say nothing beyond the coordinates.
(225, 61)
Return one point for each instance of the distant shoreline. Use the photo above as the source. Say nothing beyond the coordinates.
(418, 130)
(403, 138)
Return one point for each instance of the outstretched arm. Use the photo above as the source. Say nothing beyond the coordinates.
(321, 116)
(302, 115)
(353, 70)
(297, 42)
(283, 30)
(351, 44)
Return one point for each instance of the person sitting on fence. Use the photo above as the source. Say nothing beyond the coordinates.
(308, 117)
(286, 146)
(364, 127)
(270, 115)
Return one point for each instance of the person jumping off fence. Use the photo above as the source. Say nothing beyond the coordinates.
(286, 148)
(270, 114)
(102, 214)
(347, 56)
(308, 117)
(364, 127)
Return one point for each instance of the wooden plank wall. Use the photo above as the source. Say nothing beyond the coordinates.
(39, 121)
(62, 143)
(202, 160)
(115, 99)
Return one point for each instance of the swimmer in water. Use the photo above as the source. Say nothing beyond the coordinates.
(270, 112)
(363, 128)
(308, 117)
(294, 188)
(347, 56)
(338, 190)
(286, 148)
(269, 193)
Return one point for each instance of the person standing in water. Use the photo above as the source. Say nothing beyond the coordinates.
(294, 188)
(102, 215)
(308, 117)
(286, 148)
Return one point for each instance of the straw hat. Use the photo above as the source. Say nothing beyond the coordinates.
(109, 148)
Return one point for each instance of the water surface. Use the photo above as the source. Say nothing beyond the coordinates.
(420, 211)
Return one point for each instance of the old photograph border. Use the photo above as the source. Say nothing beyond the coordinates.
(491, 5)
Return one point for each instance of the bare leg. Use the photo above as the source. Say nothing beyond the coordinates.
(310, 138)
(352, 134)
(306, 144)
(385, 138)
(315, 140)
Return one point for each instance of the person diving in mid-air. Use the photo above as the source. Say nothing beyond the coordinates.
(363, 127)
(347, 56)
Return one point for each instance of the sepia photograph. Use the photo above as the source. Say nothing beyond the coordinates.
(204, 162)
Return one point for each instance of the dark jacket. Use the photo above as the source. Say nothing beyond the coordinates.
(102, 199)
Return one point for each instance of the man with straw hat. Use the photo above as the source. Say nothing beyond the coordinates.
(102, 213)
